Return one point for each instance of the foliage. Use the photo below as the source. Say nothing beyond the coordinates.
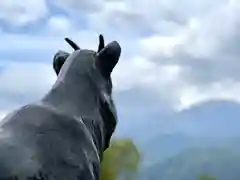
(120, 159)
(206, 177)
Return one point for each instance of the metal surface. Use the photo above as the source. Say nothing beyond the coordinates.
(64, 135)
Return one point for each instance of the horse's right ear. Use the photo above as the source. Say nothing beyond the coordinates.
(58, 60)
(101, 43)
(107, 56)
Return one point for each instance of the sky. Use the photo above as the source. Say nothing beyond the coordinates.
(175, 54)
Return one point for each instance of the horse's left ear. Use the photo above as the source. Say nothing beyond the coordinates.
(61, 56)
(58, 60)
(107, 57)
(72, 44)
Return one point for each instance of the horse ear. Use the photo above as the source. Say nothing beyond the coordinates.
(101, 43)
(58, 60)
(61, 56)
(72, 44)
(108, 57)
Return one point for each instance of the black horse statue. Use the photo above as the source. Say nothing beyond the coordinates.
(63, 136)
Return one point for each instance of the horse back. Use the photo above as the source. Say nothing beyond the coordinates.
(38, 139)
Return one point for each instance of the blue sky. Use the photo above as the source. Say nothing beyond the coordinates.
(175, 54)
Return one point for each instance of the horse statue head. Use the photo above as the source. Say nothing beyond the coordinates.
(83, 66)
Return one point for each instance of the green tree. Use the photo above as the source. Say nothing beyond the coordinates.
(206, 177)
(121, 158)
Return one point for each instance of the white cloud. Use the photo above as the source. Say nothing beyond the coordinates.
(224, 90)
(189, 49)
(83, 5)
(59, 24)
(49, 41)
(18, 12)
(159, 16)
(22, 83)
(141, 73)
(26, 78)
(156, 45)
(2, 114)
(205, 51)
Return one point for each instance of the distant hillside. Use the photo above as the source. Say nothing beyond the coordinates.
(208, 119)
(162, 147)
(182, 145)
(222, 163)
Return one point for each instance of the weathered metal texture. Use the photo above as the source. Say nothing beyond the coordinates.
(63, 136)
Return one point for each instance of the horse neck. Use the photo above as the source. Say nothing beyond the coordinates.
(78, 98)
(75, 97)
